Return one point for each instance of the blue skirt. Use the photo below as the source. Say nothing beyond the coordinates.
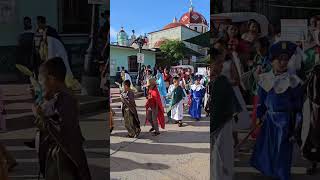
(272, 154)
(195, 107)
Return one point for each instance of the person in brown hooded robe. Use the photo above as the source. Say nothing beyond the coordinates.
(58, 119)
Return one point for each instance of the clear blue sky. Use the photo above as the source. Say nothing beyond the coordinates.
(145, 16)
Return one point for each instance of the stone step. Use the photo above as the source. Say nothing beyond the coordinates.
(88, 104)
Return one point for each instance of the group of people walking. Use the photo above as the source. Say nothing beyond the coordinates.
(281, 80)
(166, 93)
(59, 140)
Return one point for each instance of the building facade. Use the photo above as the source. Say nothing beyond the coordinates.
(67, 16)
(125, 56)
(190, 24)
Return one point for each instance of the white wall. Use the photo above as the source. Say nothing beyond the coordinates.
(9, 32)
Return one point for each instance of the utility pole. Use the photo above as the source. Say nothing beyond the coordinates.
(140, 41)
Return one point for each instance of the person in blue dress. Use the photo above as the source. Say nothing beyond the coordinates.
(197, 92)
(161, 88)
(279, 114)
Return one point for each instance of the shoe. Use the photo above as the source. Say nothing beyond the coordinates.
(31, 144)
(155, 134)
(111, 129)
(152, 129)
(197, 119)
(180, 124)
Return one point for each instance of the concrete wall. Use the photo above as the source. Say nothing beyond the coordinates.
(119, 58)
(32, 8)
(170, 34)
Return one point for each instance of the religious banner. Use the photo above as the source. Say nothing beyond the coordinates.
(294, 29)
(7, 11)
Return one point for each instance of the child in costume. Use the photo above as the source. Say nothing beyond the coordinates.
(280, 114)
(154, 108)
(58, 119)
(177, 95)
(129, 111)
(196, 95)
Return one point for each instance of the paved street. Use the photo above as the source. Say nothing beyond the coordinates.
(245, 171)
(18, 104)
(177, 153)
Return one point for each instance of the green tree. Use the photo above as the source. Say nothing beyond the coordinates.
(173, 51)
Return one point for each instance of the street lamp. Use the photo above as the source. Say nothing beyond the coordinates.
(140, 41)
(91, 79)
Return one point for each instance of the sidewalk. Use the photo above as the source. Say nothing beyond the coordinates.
(18, 103)
(177, 153)
(21, 129)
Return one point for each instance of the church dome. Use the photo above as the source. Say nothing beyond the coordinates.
(122, 38)
(174, 24)
(193, 17)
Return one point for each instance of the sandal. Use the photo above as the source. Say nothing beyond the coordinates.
(152, 129)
